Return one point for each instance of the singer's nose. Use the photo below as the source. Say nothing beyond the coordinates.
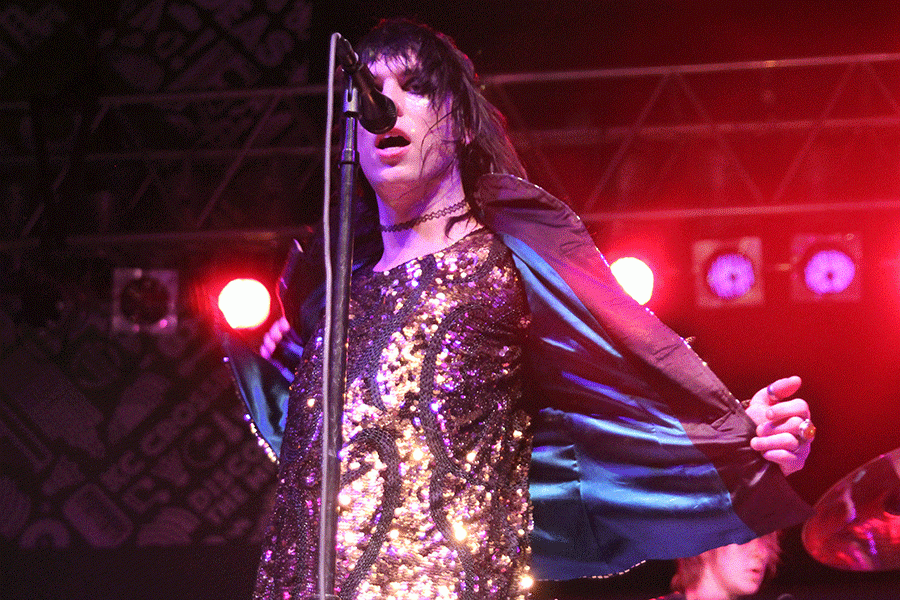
(394, 91)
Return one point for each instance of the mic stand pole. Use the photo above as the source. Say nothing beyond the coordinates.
(336, 354)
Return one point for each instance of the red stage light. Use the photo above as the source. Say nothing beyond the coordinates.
(635, 277)
(245, 303)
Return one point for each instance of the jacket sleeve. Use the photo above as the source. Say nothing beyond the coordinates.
(640, 452)
(264, 385)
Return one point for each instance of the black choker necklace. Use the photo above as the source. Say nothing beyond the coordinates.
(447, 210)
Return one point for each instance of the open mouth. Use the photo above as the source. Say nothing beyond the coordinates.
(392, 141)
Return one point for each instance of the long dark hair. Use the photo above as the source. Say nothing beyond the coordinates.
(438, 70)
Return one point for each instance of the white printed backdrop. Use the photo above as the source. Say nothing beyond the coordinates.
(58, 56)
(124, 441)
(113, 441)
(161, 45)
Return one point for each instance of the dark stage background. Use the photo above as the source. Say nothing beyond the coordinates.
(127, 469)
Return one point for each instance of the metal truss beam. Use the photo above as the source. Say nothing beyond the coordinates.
(608, 141)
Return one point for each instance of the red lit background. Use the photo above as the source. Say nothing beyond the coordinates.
(180, 139)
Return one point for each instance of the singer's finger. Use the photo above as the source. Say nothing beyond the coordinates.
(782, 389)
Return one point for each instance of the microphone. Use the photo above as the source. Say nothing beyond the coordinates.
(377, 112)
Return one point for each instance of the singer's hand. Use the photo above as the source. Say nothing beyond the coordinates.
(779, 420)
(273, 336)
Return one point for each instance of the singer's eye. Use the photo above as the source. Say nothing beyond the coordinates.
(417, 85)
(412, 80)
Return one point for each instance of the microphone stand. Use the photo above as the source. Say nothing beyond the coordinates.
(341, 256)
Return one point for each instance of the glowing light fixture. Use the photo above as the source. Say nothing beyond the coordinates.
(826, 267)
(245, 303)
(728, 272)
(730, 275)
(635, 277)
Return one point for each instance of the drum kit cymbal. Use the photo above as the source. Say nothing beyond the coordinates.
(856, 524)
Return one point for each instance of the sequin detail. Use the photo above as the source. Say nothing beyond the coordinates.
(434, 467)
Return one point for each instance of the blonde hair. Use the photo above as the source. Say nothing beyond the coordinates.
(690, 569)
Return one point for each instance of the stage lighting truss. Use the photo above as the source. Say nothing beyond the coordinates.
(826, 267)
(728, 272)
(144, 300)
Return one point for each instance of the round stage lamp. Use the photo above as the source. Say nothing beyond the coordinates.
(245, 303)
(145, 300)
(730, 275)
(826, 267)
(829, 271)
(635, 277)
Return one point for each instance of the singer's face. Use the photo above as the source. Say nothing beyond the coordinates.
(416, 160)
(739, 569)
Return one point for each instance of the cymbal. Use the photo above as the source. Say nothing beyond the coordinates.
(856, 524)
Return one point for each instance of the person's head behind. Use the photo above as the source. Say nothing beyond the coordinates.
(729, 571)
(439, 71)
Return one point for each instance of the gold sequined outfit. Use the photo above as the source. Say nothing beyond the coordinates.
(434, 468)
